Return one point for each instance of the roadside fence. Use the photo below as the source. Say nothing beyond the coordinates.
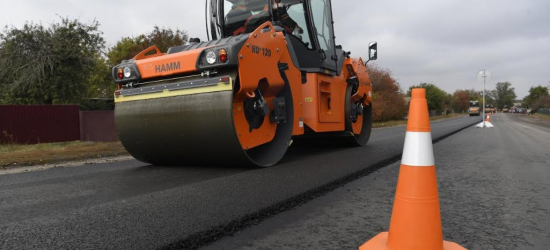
(545, 111)
(31, 124)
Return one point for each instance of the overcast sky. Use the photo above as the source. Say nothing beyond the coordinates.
(445, 42)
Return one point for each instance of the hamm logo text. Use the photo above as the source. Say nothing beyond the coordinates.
(167, 67)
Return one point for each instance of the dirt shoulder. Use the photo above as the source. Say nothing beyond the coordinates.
(51, 154)
(388, 124)
(64, 164)
(537, 119)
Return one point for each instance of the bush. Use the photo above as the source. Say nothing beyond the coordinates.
(388, 99)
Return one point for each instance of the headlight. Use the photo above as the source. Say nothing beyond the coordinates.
(211, 57)
(127, 72)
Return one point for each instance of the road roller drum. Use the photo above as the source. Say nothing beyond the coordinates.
(266, 76)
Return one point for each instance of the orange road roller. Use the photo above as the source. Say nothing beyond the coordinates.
(269, 72)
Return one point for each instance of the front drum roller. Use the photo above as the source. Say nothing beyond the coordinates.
(197, 129)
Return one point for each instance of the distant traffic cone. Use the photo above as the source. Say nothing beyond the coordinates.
(416, 220)
(487, 123)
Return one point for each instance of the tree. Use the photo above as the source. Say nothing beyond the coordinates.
(460, 101)
(504, 95)
(128, 47)
(388, 101)
(436, 97)
(542, 102)
(46, 65)
(535, 94)
(448, 100)
(475, 95)
(101, 83)
(491, 97)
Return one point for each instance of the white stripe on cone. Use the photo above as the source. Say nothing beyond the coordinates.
(418, 150)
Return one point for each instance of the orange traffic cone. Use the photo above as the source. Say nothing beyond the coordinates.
(416, 220)
(489, 117)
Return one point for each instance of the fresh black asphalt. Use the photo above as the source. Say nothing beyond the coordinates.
(131, 205)
(494, 188)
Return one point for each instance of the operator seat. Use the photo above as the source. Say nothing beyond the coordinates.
(236, 19)
(260, 15)
(256, 5)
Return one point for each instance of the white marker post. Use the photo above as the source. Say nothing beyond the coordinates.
(484, 76)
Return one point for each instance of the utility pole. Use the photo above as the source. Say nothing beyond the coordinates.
(484, 79)
(483, 76)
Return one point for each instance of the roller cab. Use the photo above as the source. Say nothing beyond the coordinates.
(239, 98)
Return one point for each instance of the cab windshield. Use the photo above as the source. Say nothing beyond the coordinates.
(244, 16)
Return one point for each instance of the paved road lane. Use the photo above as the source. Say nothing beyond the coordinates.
(494, 187)
(130, 205)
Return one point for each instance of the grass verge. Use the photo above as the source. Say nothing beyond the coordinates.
(404, 122)
(13, 155)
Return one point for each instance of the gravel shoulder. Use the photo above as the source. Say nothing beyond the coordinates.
(14, 157)
(64, 164)
(494, 194)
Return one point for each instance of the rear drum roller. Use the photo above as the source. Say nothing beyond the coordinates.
(358, 120)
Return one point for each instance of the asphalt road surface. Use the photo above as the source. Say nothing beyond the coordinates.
(494, 188)
(131, 205)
